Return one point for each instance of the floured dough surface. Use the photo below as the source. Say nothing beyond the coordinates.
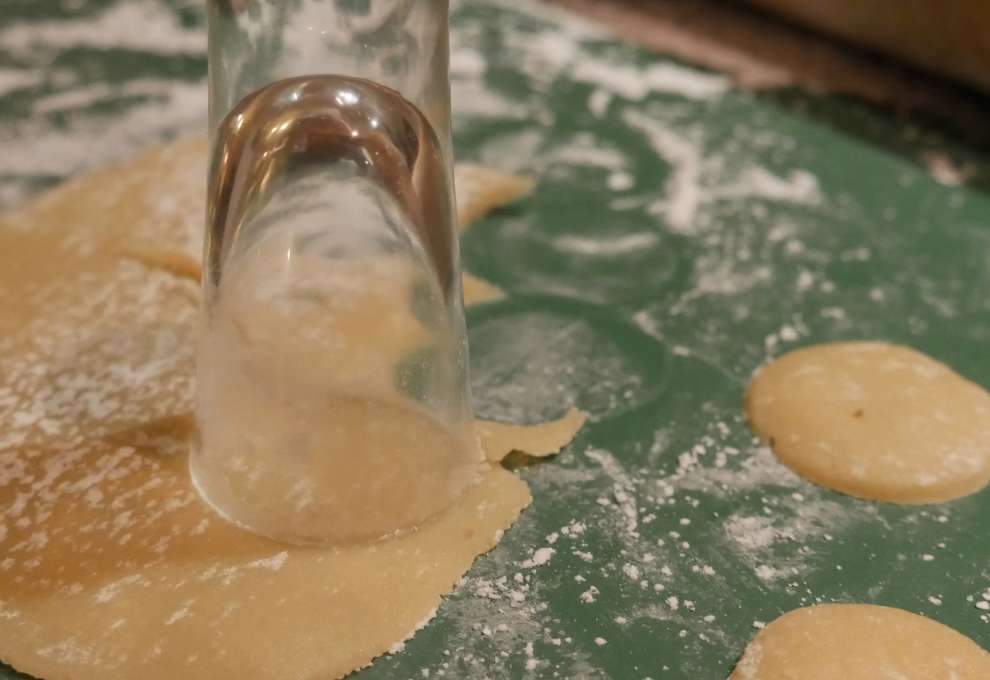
(110, 565)
(860, 642)
(874, 420)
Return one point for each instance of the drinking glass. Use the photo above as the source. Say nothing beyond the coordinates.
(332, 388)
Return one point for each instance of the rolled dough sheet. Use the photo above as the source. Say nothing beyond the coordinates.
(860, 642)
(874, 420)
(110, 566)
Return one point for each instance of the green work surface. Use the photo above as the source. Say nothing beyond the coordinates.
(683, 233)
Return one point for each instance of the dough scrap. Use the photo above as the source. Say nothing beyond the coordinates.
(874, 420)
(110, 565)
(545, 440)
(478, 290)
(860, 642)
(481, 189)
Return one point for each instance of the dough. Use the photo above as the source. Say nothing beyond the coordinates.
(110, 565)
(480, 189)
(874, 420)
(478, 290)
(860, 642)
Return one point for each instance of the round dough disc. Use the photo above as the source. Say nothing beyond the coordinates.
(860, 642)
(874, 420)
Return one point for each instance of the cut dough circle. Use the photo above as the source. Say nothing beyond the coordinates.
(860, 642)
(874, 420)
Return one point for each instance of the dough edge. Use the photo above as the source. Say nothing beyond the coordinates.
(771, 653)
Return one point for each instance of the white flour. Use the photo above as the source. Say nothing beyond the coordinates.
(137, 24)
(697, 178)
(635, 84)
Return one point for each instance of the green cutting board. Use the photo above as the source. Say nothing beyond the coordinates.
(683, 233)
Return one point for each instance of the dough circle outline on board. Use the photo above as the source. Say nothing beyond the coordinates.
(874, 420)
(860, 642)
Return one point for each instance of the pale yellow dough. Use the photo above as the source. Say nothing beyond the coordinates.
(874, 420)
(860, 642)
(480, 189)
(110, 565)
